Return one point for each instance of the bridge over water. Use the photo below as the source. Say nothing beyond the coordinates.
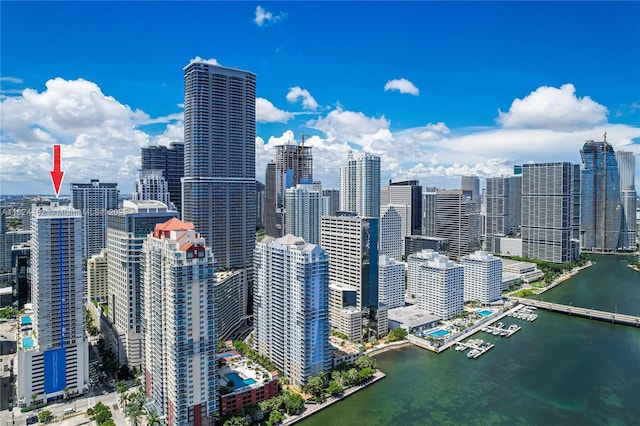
(612, 317)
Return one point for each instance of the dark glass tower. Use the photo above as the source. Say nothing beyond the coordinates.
(219, 185)
(171, 161)
(601, 206)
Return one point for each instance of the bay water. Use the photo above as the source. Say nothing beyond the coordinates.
(557, 370)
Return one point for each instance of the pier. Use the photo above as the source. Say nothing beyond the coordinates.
(612, 317)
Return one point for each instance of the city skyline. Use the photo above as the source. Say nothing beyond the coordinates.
(432, 101)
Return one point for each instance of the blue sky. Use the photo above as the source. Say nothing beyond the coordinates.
(439, 90)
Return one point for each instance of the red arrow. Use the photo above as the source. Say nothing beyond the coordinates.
(56, 173)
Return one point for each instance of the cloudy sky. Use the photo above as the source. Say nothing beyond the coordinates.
(438, 90)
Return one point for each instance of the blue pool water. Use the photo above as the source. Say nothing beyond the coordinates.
(25, 320)
(238, 382)
(27, 342)
(485, 313)
(438, 333)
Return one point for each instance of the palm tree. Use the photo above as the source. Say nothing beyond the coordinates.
(153, 419)
(66, 392)
(34, 396)
(132, 410)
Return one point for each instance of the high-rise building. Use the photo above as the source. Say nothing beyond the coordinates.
(415, 243)
(94, 200)
(440, 286)
(458, 221)
(600, 203)
(503, 200)
(53, 353)
(179, 323)
(270, 219)
(482, 277)
(171, 161)
(409, 193)
(627, 170)
(390, 232)
(260, 202)
(344, 315)
(470, 186)
(291, 306)
(333, 196)
(218, 192)
(391, 275)
(151, 185)
(127, 228)
(413, 262)
(21, 260)
(293, 166)
(360, 185)
(429, 212)
(9, 239)
(97, 278)
(303, 213)
(551, 211)
(352, 245)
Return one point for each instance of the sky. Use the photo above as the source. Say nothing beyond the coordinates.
(437, 89)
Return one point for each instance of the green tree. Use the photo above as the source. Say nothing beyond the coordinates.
(100, 413)
(121, 388)
(365, 361)
(109, 422)
(293, 404)
(45, 416)
(315, 385)
(153, 419)
(275, 417)
(133, 411)
(34, 396)
(334, 388)
(236, 421)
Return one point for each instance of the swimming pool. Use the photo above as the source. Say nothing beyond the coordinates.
(485, 313)
(238, 381)
(27, 342)
(25, 321)
(438, 333)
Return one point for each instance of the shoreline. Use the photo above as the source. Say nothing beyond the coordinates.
(311, 409)
(562, 278)
(387, 347)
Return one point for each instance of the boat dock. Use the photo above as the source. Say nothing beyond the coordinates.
(478, 347)
(500, 330)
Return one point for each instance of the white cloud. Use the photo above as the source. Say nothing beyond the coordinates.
(266, 112)
(14, 80)
(308, 102)
(210, 61)
(350, 126)
(553, 108)
(99, 136)
(402, 85)
(265, 18)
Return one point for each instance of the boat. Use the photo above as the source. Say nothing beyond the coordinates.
(460, 348)
(472, 353)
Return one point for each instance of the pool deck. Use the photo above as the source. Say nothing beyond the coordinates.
(457, 338)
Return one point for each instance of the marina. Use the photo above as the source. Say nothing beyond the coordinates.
(500, 330)
(478, 347)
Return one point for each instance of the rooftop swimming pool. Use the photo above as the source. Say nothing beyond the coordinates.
(238, 381)
(438, 333)
(27, 342)
(25, 320)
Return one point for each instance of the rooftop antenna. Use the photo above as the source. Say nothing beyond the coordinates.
(605, 136)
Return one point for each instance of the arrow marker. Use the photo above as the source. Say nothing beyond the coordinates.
(56, 173)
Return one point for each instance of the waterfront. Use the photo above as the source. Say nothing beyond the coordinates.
(556, 370)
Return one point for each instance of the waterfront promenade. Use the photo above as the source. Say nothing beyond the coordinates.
(311, 409)
(595, 314)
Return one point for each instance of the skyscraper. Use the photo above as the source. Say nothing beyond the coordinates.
(53, 355)
(127, 228)
(391, 275)
(352, 245)
(178, 323)
(627, 170)
(218, 190)
(98, 278)
(303, 213)
(458, 221)
(291, 306)
(470, 186)
(551, 211)
(171, 161)
(600, 204)
(503, 201)
(439, 286)
(360, 185)
(333, 196)
(391, 233)
(293, 166)
(408, 192)
(94, 200)
(151, 185)
(270, 218)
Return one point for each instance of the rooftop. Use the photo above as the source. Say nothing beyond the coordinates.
(411, 316)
